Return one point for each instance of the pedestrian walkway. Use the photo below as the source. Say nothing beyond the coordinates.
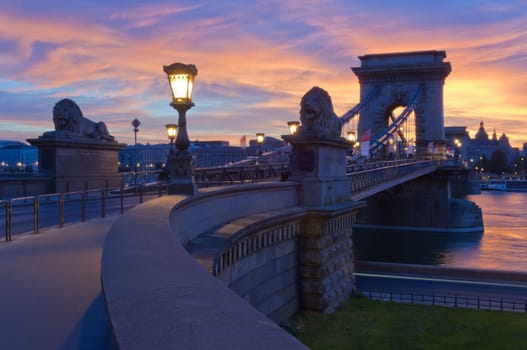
(50, 289)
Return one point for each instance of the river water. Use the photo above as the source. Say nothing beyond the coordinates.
(502, 246)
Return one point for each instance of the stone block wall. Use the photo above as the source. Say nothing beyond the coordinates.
(326, 260)
(262, 268)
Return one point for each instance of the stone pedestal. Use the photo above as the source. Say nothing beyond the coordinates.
(325, 257)
(78, 163)
(319, 165)
(181, 179)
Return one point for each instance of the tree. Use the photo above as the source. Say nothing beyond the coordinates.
(498, 162)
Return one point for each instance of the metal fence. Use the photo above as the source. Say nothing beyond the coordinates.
(475, 302)
(28, 213)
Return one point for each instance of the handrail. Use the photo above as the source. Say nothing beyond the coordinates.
(453, 300)
(60, 207)
(7, 206)
(35, 211)
(61, 199)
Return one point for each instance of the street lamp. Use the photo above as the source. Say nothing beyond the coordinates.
(135, 124)
(293, 126)
(171, 132)
(260, 140)
(352, 137)
(181, 81)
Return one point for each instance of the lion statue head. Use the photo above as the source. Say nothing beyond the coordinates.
(317, 115)
(66, 115)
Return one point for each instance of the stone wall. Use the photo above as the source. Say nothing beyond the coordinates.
(23, 186)
(262, 268)
(325, 258)
(158, 297)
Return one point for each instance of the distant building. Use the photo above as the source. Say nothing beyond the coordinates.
(481, 146)
(17, 156)
(206, 153)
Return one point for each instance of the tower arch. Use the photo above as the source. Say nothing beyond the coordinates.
(398, 77)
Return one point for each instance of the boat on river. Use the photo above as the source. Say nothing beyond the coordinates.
(510, 185)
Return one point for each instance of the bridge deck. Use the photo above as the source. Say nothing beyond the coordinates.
(51, 289)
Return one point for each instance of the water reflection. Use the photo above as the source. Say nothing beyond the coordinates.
(503, 246)
(430, 248)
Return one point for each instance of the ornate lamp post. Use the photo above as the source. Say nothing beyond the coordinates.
(260, 140)
(293, 126)
(181, 80)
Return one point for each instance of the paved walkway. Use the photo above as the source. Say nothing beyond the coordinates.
(50, 289)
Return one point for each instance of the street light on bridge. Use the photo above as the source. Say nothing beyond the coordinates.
(293, 126)
(181, 81)
(260, 140)
(135, 123)
(171, 132)
(352, 137)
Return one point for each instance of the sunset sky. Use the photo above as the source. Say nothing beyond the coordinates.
(255, 60)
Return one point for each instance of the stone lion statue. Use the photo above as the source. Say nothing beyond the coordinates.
(317, 115)
(68, 120)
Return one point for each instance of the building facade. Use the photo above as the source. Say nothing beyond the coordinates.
(16, 156)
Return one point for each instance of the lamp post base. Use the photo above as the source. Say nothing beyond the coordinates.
(181, 179)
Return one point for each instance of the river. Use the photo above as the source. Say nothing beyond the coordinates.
(502, 246)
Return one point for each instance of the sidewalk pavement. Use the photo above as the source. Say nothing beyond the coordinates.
(50, 289)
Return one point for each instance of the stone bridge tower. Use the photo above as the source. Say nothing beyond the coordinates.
(398, 77)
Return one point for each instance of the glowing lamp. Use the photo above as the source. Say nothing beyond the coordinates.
(181, 80)
(293, 126)
(171, 131)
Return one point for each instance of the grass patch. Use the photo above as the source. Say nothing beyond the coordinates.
(361, 323)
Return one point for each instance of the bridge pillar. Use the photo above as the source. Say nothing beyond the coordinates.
(320, 167)
(325, 258)
(325, 239)
(424, 204)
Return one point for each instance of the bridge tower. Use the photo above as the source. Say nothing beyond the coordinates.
(399, 77)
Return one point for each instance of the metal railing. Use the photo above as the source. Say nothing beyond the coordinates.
(72, 206)
(216, 176)
(368, 175)
(475, 302)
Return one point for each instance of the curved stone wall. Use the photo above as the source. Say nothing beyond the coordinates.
(214, 207)
(157, 296)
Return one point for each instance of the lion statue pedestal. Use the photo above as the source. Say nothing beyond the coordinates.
(80, 154)
(318, 165)
(318, 159)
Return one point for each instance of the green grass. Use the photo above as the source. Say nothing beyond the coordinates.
(364, 324)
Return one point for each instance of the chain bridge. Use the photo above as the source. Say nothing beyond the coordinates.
(281, 236)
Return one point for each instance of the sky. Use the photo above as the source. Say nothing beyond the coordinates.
(255, 61)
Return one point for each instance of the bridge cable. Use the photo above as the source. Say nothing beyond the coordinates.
(346, 117)
(382, 137)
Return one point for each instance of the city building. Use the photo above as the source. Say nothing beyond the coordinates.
(152, 157)
(475, 151)
(16, 156)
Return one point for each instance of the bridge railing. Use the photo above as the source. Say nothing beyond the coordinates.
(366, 175)
(216, 176)
(30, 213)
(476, 302)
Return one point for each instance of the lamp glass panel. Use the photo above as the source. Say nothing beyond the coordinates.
(181, 88)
